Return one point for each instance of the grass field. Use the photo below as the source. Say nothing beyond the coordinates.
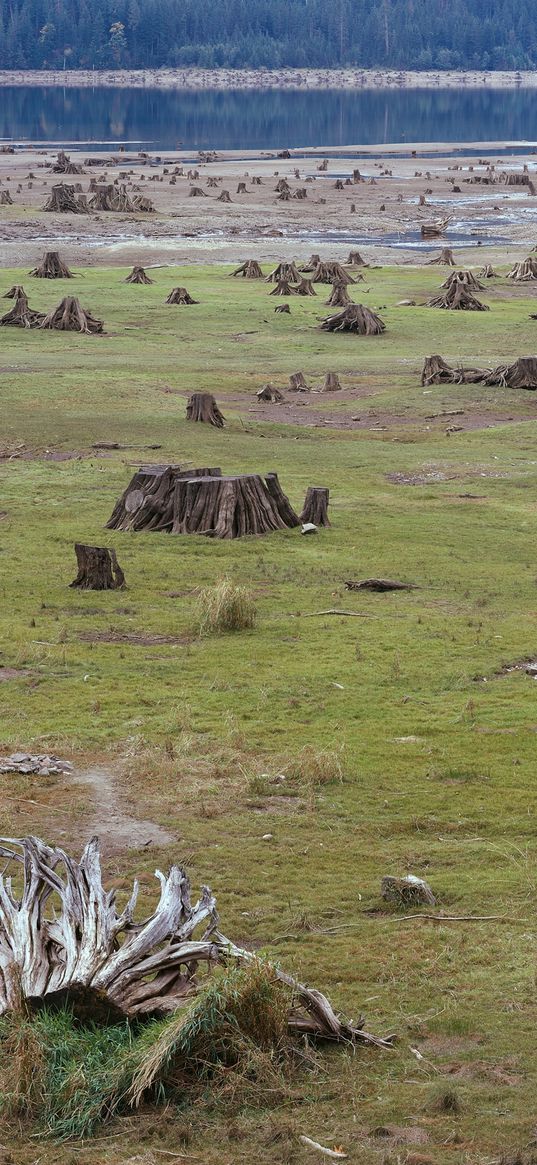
(436, 745)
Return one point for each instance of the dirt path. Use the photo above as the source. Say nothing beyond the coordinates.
(116, 827)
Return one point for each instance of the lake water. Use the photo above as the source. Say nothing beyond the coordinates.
(264, 119)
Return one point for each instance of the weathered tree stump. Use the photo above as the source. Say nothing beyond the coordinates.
(52, 267)
(488, 272)
(283, 309)
(98, 569)
(5, 198)
(283, 288)
(70, 316)
(21, 315)
(287, 272)
(63, 200)
(180, 295)
(331, 272)
(458, 297)
(466, 277)
(444, 259)
(15, 292)
(64, 165)
(338, 296)
(224, 196)
(305, 287)
(241, 188)
(355, 318)
(437, 371)
(139, 275)
(202, 407)
(521, 374)
(250, 269)
(312, 263)
(524, 272)
(331, 383)
(434, 230)
(226, 507)
(148, 501)
(281, 501)
(297, 382)
(316, 506)
(269, 393)
(355, 260)
(197, 192)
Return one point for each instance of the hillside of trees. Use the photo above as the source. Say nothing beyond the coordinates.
(422, 34)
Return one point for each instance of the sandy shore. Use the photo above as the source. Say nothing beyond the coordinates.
(269, 79)
(331, 208)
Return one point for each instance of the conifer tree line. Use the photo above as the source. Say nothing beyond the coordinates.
(400, 34)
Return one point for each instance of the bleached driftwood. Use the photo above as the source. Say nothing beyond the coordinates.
(63, 941)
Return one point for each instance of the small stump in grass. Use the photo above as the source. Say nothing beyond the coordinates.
(138, 275)
(408, 891)
(98, 569)
(316, 506)
(52, 267)
(202, 407)
(180, 295)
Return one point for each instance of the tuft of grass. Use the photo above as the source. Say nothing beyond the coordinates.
(226, 607)
(444, 1099)
(69, 1078)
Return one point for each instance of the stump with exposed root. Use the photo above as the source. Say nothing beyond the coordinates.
(52, 267)
(63, 200)
(339, 296)
(332, 383)
(297, 382)
(21, 315)
(139, 275)
(250, 269)
(70, 316)
(444, 259)
(269, 393)
(357, 319)
(457, 297)
(180, 295)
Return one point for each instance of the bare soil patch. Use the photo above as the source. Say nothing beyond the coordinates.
(111, 820)
(12, 673)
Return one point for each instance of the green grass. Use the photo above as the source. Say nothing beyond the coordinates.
(437, 765)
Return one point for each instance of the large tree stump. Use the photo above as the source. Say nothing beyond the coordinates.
(98, 569)
(52, 267)
(202, 407)
(286, 272)
(227, 507)
(466, 277)
(355, 318)
(148, 501)
(63, 200)
(458, 297)
(70, 316)
(521, 374)
(316, 506)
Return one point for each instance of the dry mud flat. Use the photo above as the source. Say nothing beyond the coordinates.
(380, 213)
(269, 79)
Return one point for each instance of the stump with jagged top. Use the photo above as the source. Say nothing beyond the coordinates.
(98, 569)
(202, 407)
(52, 267)
(316, 506)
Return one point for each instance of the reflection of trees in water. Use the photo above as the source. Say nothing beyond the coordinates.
(269, 118)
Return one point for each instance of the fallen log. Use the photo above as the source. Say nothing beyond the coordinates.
(379, 584)
(98, 569)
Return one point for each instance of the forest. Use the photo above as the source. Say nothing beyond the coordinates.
(400, 34)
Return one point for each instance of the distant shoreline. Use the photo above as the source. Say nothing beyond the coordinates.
(304, 79)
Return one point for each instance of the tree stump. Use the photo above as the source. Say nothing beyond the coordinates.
(138, 275)
(148, 501)
(197, 192)
(180, 295)
(224, 196)
(52, 267)
(281, 501)
(458, 297)
(283, 309)
(305, 287)
(21, 315)
(70, 316)
(297, 382)
(466, 277)
(202, 407)
(15, 292)
(241, 188)
(338, 296)
(444, 259)
(250, 269)
(331, 383)
(225, 507)
(316, 506)
(283, 288)
(63, 200)
(268, 392)
(355, 318)
(287, 272)
(98, 569)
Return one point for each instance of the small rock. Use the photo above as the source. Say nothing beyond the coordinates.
(267, 837)
(309, 528)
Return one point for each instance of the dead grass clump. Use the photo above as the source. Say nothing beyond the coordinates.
(226, 607)
(22, 1067)
(316, 766)
(443, 1098)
